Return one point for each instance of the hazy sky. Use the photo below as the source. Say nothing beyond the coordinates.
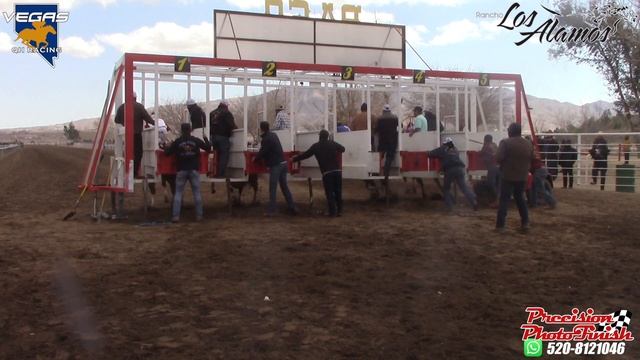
(448, 34)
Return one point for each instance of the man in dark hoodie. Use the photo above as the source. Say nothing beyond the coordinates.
(454, 172)
(568, 157)
(221, 125)
(514, 157)
(327, 152)
(599, 152)
(273, 156)
(196, 115)
(186, 148)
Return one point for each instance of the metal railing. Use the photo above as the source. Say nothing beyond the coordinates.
(622, 151)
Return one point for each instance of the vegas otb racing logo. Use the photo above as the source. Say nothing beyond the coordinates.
(36, 27)
(578, 333)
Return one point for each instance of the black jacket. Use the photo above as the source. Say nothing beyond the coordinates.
(221, 123)
(449, 157)
(197, 115)
(568, 156)
(432, 122)
(599, 151)
(187, 151)
(270, 150)
(326, 153)
(140, 115)
(387, 130)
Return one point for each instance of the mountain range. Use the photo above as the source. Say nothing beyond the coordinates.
(548, 114)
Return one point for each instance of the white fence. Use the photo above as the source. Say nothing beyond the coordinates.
(620, 172)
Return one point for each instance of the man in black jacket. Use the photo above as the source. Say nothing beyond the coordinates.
(454, 172)
(221, 125)
(327, 152)
(387, 130)
(273, 156)
(140, 116)
(599, 152)
(568, 157)
(197, 116)
(186, 148)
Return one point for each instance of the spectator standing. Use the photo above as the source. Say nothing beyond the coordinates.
(514, 157)
(599, 153)
(568, 157)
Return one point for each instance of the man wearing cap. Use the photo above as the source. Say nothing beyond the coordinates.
(454, 172)
(387, 130)
(186, 148)
(273, 156)
(419, 123)
(196, 115)
(327, 153)
(140, 116)
(221, 124)
(515, 155)
(282, 119)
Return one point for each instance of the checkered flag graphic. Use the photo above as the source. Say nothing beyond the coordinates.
(621, 318)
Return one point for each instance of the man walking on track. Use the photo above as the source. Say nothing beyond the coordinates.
(514, 157)
(187, 151)
(327, 152)
(273, 156)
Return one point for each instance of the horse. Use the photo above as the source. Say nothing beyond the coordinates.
(38, 35)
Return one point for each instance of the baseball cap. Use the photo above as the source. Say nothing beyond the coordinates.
(224, 102)
(191, 102)
(447, 140)
(386, 107)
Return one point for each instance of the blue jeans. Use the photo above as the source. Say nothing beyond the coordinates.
(515, 188)
(457, 175)
(539, 188)
(193, 177)
(278, 175)
(223, 145)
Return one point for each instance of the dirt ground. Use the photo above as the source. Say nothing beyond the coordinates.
(403, 282)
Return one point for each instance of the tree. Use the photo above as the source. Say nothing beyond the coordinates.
(71, 133)
(617, 58)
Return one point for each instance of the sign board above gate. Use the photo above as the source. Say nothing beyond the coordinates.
(250, 36)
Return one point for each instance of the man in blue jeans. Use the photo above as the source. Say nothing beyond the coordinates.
(273, 156)
(187, 151)
(515, 155)
(221, 126)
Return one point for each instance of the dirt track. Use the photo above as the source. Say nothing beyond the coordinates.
(408, 282)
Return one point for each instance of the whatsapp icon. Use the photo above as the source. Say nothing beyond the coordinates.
(532, 348)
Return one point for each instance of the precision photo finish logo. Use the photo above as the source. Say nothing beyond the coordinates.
(577, 333)
(36, 28)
